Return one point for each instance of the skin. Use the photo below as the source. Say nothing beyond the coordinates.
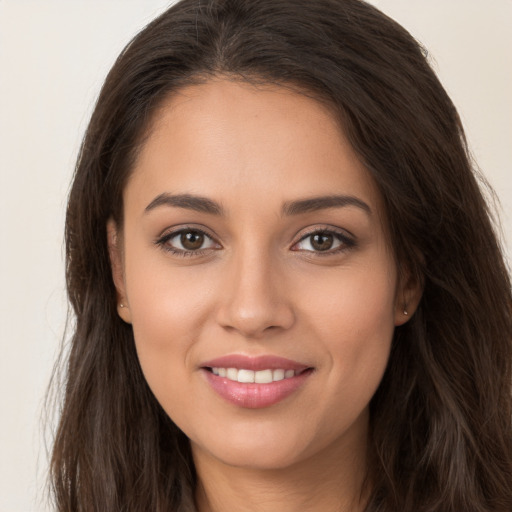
(258, 286)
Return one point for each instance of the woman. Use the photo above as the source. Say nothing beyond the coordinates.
(288, 291)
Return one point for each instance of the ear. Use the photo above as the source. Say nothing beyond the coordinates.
(409, 292)
(115, 251)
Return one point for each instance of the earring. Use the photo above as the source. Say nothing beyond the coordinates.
(121, 305)
(405, 312)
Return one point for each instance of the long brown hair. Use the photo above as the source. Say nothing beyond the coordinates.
(441, 420)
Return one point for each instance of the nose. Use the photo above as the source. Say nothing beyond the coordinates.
(254, 300)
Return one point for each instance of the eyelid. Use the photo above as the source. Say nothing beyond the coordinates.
(347, 239)
(171, 232)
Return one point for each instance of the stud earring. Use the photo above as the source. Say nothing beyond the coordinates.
(121, 305)
(405, 312)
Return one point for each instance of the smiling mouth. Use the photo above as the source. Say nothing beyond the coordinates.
(265, 376)
(255, 382)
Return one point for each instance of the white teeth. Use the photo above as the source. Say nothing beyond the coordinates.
(263, 376)
(245, 376)
(232, 374)
(248, 376)
(278, 375)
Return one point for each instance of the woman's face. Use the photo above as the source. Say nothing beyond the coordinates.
(255, 268)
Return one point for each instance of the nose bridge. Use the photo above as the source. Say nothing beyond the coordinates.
(254, 299)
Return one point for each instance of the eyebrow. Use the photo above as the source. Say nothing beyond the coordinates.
(323, 202)
(186, 201)
(206, 205)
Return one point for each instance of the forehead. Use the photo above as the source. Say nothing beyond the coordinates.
(233, 141)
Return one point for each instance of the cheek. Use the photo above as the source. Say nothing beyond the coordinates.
(169, 310)
(355, 302)
(354, 317)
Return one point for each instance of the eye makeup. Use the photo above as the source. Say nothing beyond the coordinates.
(192, 241)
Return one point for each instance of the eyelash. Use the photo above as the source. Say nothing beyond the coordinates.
(162, 242)
(347, 242)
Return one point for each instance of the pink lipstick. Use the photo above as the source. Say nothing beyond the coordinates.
(255, 382)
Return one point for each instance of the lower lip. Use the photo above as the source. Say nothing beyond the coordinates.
(255, 396)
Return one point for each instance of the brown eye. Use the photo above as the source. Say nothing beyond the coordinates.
(191, 240)
(187, 242)
(322, 241)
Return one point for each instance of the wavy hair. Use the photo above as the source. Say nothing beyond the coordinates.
(441, 420)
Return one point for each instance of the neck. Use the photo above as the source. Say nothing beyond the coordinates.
(331, 481)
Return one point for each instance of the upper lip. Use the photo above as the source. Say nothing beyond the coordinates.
(265, 362)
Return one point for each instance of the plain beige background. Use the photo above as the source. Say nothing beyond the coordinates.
(53, 58)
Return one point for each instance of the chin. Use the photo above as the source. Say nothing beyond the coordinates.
(253, 446)
(270, 446)
(257, 458)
